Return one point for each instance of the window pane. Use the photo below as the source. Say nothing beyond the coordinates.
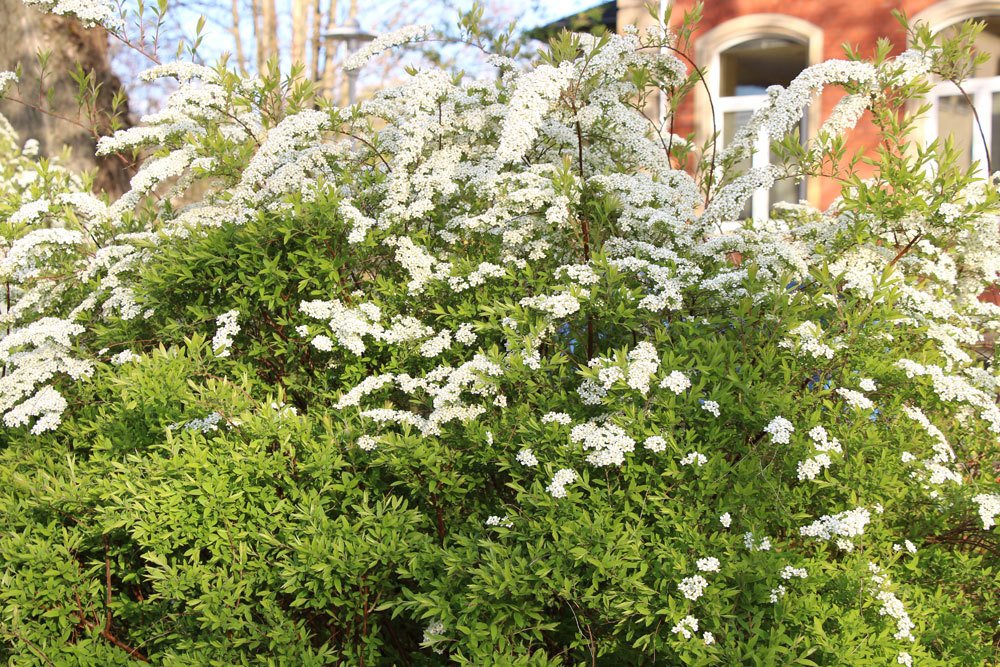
(749, 68)
(955, 120)
(731, 122)
(788, 189)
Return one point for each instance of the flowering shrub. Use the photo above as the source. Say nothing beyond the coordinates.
(468, 373)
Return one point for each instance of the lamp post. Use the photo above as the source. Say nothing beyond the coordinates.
(352, 37)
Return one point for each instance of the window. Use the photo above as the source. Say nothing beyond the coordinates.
(951, 115)
(742, 57)
(746, 70)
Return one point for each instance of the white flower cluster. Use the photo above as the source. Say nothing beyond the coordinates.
(676, 382)
(368, 443)
(526, 457)
(88, 12)
(989, 508)
(563, 476)
(227, 326)
(956, 389)
(937, 468)
(6, 79)
(806, 338)
(686, 626)
(206, 424)
(855, 399)
(433, 634)
(494, 520)
(892, 606)
(124, 357)
(781, 430)
(655, 443)
(556, 418)
(867, 384)
(907, 545)
(726, 520)
(534, 94)
(843, 526)
(753, 544)
(709, 564)
(32, 356)
(643, 362)
(711, 407)
(350, 326)
(694, 459)
(385, 41)
(607, 443)
(445, 385)
(789, 572)
(810, 468)
(558, 306)
(693, 587)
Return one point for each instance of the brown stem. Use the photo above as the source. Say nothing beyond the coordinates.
(89, 129)
(711, 106)
(35, 649)
(905, 250)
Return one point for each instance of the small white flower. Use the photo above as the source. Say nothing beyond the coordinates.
(712, 407)
(686, 626)
(789, 572)
(710, 564)
(676, 382)
(780, 429)
(557, 488)
(556, 418)
(655, 443)
(726, 520)
(694, 459)
(527, 458)
(693, 587)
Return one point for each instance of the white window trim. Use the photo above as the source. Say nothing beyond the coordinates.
(761, 157)
(708, 48)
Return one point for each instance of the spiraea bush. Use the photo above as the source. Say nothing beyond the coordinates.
(472, 373)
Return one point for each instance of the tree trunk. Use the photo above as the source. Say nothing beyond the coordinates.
(317, 39)
(23, 33)
(270, 30)
(241, 62)
(329, 76)
(300, 30)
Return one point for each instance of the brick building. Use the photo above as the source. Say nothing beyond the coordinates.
(744, 46)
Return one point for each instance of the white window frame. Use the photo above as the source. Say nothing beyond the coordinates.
(980, 90)
(708, 49)
(761, 156)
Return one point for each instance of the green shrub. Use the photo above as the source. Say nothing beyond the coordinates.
(470, 373)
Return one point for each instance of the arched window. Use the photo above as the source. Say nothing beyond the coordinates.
(746, 71)
(743, 57)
